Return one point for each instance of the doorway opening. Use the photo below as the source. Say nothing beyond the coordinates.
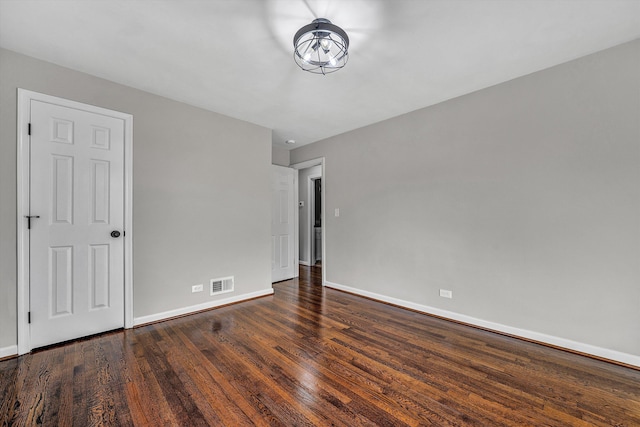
(315, 229)
(311, 224)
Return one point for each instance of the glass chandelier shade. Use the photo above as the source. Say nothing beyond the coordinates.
(321, 47)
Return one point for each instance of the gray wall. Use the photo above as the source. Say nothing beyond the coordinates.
(279, 156)
(523, 199)
(303, 212)
(201, 196)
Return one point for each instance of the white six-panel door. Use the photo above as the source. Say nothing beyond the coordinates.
(283, 225)
(77, 190)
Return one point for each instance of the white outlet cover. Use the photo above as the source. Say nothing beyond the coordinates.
(446, 294)
(197, 288)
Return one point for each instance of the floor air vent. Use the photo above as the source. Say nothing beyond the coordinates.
(221, 286)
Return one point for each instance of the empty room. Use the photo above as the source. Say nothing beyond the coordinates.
(320, 212)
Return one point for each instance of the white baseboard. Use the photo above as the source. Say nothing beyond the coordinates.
(606, 353)
(12, 350)
(137, 321)
(304, 263)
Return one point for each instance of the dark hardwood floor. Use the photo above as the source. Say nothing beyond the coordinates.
(313, 356)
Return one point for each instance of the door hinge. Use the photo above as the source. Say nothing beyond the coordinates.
(29, 317)
(29, 220)
(29, 130)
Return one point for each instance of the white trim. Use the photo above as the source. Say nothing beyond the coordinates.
(324, 223)
(303, 263)
(296, 225)
(12, 350)
(606, 353)
(23, 175)
(128, 222)
(307, 164)
(199, 307)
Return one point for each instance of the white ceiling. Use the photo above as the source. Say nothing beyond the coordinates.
(235, 56)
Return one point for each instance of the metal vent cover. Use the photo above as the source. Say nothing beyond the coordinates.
(221, 285)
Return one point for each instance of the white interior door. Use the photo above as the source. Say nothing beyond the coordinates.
(76, 249)
(283, 225)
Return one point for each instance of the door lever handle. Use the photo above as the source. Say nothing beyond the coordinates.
(29, 220)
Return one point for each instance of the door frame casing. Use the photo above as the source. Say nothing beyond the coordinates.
(23, 186)
(307, 164)
(311, 190)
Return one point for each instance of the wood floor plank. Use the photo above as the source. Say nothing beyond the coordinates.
(309, 355)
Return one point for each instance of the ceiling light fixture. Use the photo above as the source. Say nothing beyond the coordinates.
(321, 47)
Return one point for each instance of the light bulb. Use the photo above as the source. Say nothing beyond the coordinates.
(307, 56)
(332, 61)
(325, 43)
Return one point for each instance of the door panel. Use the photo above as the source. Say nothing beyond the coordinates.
(62, 189)
(61, 280)
(77, 189)
(285, 251)
(99, 283)
(100, 191)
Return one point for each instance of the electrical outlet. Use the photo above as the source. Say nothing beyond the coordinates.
(446, 294)
(337, 212)
(197, 288)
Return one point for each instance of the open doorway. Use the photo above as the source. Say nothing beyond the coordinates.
(312, 227)
(309, 226)
(315, 211)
